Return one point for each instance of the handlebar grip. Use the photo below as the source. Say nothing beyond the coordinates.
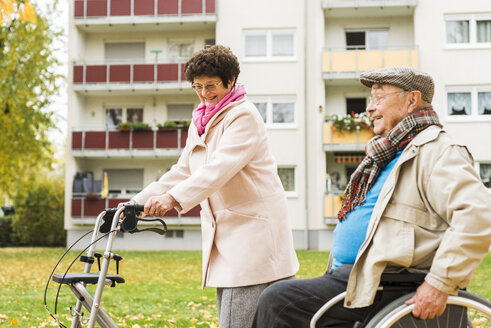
(139, 207)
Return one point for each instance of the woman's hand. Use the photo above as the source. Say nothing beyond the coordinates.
(159, 205)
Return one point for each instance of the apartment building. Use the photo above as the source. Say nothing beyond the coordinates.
(300, 62)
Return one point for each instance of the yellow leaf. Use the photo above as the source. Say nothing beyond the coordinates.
(14, 321)
(28, 14)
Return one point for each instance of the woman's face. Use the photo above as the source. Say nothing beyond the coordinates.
(210, 89)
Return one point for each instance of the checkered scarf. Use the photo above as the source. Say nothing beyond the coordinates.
(380, 152)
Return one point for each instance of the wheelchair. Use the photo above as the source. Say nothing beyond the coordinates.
(464, 310)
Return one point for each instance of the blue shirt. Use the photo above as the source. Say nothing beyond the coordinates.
(350, 233)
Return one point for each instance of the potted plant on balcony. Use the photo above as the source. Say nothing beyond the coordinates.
(140, 126)
(348, 128)
(167, 126)
(124, 126)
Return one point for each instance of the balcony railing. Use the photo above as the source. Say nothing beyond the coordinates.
(127, 75)
(109, 142)
(332, 205)
(342, 63)
(331, 4)
(90, 208)
(345, 141)
(118, 8)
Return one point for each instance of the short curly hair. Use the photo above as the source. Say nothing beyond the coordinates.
(215, 60)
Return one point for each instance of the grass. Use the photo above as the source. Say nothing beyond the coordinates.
(162, 289)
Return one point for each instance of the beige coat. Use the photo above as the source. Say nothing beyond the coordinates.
(230, 171)
(433, 214)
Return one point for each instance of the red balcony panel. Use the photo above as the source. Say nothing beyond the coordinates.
(94, 207)
(79, 8)
(168, 7)
(119, 73)
(76, 140)
(78, 74)
(167, 72)
(96, 8)
(210, 6)
(77, 207)
(119, 140)
(192, 6)
(194, 212)
(183, 75)
(113, 202)
(143, 140)
(144, 7)
(167, 139)
(95, 73)
(121, 7)
(172, 213)
(95, 140)
(143, 73)
(184, 137)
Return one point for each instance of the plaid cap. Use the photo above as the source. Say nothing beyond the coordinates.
(406, 78)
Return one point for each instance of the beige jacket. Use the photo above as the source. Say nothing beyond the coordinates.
(433, 214)
(230, 171)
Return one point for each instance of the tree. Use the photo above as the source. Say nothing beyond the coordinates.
(27, 82)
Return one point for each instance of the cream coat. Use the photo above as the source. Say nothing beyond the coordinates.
(230, 171)
(433, 214)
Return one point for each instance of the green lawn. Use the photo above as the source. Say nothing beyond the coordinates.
(162, 289)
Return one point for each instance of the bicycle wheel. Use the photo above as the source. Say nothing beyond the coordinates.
(464, 310)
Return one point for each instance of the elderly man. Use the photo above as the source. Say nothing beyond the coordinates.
(415, 202)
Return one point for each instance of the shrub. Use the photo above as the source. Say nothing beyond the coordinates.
(7, 235)
(347, 123)
(39, 207)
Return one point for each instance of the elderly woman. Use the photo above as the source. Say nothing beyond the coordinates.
(228, 168)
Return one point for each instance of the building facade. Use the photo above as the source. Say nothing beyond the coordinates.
(300, 62)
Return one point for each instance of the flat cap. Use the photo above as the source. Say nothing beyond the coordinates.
(406, 78)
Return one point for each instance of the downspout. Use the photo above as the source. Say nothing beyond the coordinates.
(306, 217)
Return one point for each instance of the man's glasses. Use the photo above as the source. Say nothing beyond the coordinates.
(376, 100)
(207, 87)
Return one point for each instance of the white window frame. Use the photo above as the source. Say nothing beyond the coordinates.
(472, 44)
(124, 112)
(269, 45)
(291, 193)
(474, 116)
(367, 44)
(178, 42)
(270, 100)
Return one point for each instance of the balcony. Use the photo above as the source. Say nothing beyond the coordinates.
(346, 141)
(368, 8)
(144, 15)
(121, 77)
(109, 143)
(84, 208)
(332, 205)
(342, 64)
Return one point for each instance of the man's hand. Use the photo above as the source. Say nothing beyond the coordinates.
(159, 205)
(428, 301)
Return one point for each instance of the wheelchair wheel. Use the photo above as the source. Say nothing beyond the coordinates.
(463, 311)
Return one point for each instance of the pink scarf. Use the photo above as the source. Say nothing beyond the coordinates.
(203, 114)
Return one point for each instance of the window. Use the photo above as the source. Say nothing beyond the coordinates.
(370, 39)
(464, 103)
(276, 111)
(459, 103)
(464, 31)
(179, 112)
(269, 45)
(287, 177)
(485, 173)
(124, 181)
(128, 51)
(180, 50)
(458, 31)
(114, 116)
(356, 105)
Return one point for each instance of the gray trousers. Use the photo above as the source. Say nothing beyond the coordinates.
(293, 303)
(237, 305)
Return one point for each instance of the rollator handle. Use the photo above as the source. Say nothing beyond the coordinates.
(130, 221)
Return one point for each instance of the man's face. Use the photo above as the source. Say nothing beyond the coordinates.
(388, 106)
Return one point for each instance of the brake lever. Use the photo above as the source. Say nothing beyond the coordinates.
(157, 230)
